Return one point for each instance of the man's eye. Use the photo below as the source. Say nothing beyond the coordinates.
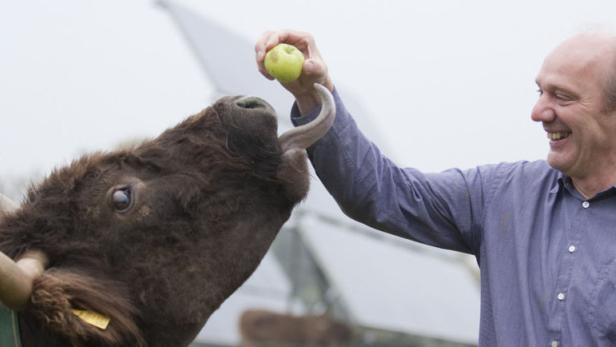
(121, 199)
(561, 96)
(540, 92)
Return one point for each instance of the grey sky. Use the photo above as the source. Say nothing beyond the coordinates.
(450, 83)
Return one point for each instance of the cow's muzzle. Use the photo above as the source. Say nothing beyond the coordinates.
(254, 103)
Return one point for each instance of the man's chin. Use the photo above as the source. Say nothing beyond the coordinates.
(557, 162)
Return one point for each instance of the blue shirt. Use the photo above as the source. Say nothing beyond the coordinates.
(547, 256)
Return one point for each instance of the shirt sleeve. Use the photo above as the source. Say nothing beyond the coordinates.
(442, 209)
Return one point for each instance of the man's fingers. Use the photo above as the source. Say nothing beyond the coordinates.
(314, 68)
(264, 72)
(260, 50)
(268, 40)
(302, 40)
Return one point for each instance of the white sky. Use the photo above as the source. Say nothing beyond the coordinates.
(450, 83)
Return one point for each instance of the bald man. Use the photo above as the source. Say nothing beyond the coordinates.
(543, 232)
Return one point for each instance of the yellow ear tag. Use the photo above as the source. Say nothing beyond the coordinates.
(93, 318)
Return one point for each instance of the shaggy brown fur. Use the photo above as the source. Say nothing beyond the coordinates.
(58, 292)
(207, 198)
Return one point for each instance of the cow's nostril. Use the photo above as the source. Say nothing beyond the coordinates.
(250, 103)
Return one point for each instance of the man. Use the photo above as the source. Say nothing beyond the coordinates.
(544, 232)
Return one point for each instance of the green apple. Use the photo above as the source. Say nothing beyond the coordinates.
(284, 62)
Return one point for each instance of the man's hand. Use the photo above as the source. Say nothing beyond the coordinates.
(313, 71)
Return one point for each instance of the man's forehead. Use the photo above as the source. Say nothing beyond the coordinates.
(564, 73)
(583, 56)
(583, 51)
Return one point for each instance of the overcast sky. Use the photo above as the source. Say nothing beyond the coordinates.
(448, 83)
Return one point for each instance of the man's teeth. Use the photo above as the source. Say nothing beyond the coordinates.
(558, 135)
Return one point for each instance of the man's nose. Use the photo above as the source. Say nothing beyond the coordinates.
(542, 111)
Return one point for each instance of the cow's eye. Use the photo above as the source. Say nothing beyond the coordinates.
(122, 199)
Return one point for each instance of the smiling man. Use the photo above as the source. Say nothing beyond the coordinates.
(543, 232)
(576, 106)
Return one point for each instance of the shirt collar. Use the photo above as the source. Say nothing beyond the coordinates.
(564, 181)
(561, 181)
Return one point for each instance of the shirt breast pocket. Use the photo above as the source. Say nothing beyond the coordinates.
(602, 308)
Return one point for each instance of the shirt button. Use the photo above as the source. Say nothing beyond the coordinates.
(585, 204)
(560, 296)
(571, 249)
(554, 343)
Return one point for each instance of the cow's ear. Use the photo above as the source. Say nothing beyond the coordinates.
(293, 174)
(83, 308)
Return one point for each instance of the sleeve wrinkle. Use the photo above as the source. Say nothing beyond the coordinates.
(435, 206)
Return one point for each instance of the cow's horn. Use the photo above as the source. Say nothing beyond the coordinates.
(305, 135)
(16, 277)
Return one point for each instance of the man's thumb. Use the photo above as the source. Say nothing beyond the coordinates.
(312, 68)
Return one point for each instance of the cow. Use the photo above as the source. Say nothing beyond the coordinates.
(264, 328)
(139, 246)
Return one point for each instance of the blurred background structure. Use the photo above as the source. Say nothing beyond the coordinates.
(450, 83)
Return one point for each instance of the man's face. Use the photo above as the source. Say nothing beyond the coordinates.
(571, 106)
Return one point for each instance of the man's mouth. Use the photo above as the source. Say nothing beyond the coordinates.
(558, 135)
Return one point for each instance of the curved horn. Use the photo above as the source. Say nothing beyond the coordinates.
(16, 277)
(305, 135)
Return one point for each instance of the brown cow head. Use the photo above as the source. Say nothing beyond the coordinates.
(157, 236)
